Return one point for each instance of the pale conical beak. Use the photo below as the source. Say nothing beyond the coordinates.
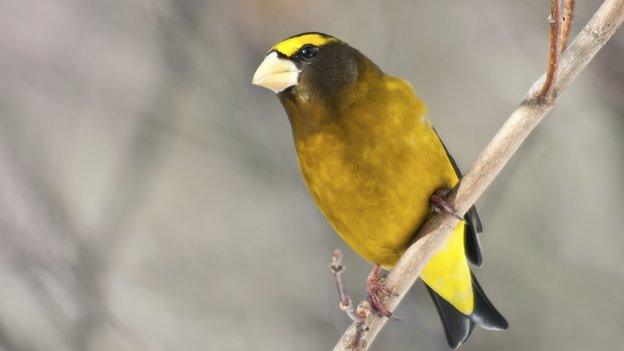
(276, 74)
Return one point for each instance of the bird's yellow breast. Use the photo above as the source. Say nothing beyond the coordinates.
(372, 171)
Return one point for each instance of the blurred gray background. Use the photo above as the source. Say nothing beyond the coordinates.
(150, 197)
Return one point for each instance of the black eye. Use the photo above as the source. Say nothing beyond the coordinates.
(308, 51)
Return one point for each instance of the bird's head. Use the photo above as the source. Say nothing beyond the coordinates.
(311, 64)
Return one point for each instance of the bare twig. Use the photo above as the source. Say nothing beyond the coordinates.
(568, 18)
(358, 316)
(554, 49)
(345, 304)
(504, 144)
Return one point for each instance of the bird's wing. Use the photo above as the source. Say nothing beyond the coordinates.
(473, 222)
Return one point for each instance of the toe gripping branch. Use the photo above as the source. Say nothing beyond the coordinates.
(440, 205)
(376, 288)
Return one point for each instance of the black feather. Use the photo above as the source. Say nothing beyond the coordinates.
(471, 239)
(485, 314)
(458, 326)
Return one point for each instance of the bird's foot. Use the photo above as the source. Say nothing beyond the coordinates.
(440, 205)
(376, 288)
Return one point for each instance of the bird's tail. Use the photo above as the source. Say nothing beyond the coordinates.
(458, 326)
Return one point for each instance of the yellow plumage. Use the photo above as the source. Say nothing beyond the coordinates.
(372, 176)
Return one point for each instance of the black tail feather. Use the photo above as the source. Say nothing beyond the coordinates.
(458, 326)
(485, 314)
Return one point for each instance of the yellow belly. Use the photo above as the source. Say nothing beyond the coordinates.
(372, 165)
(376, 196)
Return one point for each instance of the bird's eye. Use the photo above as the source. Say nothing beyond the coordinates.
(308, 51)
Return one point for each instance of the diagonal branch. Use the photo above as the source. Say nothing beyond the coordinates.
(502, 147)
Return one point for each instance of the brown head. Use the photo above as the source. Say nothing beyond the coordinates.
(314, 70)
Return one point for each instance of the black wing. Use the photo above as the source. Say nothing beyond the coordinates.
(473, 222)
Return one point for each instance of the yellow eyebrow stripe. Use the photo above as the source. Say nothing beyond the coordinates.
(290, 46)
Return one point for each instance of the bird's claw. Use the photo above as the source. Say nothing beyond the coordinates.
(376, 287)
(384, 288)
(440, 205)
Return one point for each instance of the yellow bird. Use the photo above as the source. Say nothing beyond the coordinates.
(374, 165)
